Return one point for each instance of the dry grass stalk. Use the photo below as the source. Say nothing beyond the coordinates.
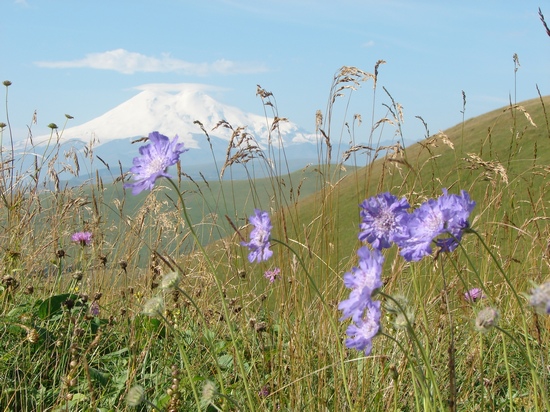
(525, 113)
(492, 168)
(433, 141)
(544, 22)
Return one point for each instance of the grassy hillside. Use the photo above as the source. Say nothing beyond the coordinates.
(144, 313)
(509, 146)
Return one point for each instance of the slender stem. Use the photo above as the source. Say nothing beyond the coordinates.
(416, 372)
(186, 364)
(329, 314)
(452, 372)
(420, 347)
(500, 269)
(220, 290)
(12, 160)
(482, 371)
(529, 357)
(218, 370)
(508, 375)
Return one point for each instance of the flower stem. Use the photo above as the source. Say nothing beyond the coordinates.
(535, 376)
(329, 314)
(220, 291)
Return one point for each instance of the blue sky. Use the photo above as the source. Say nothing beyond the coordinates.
(85, 58)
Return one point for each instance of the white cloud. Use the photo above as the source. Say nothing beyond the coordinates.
(127, 62)
(22, 3)
(369, 43)
(178, 87)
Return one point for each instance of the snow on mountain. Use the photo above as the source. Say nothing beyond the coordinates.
(171, 110)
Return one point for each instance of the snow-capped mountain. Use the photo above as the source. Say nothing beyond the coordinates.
(173, 109)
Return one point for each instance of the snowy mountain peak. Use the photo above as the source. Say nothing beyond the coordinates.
(172, 110)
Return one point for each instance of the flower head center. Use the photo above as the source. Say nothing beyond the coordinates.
(385, 221)
(434, 223)
(157, 165)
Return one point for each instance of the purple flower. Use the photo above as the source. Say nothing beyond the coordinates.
(273, 274)
(446, 215)
(84, 238)
(384, 219)
(363, 330)
(264, 392)
(259, 237)
(457, 212)
(473, 295)
(363, 280)
(94, 308)
(154, 161)
(540, 298)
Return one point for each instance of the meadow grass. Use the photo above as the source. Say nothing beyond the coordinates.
(163, 310)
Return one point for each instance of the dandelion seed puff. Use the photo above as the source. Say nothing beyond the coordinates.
(486, 319)
(136, 395)
(540, 298)
(153, 307)
(170, 280)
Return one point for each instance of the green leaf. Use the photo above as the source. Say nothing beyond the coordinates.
(18, 310)
(225, 361)
(53, 305)
(114, 355)
(150, 325)
(101, 377)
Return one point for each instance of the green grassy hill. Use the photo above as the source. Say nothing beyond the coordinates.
(481, 150)
(474, 155)
(511, 144)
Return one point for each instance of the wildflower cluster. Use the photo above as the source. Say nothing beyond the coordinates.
(385, 220)
(363, 281)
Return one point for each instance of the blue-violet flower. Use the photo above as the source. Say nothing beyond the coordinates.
(363, 280)
(446, 215)
(259, 237)
(154, 161)
(363, 330)
(383, 220)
